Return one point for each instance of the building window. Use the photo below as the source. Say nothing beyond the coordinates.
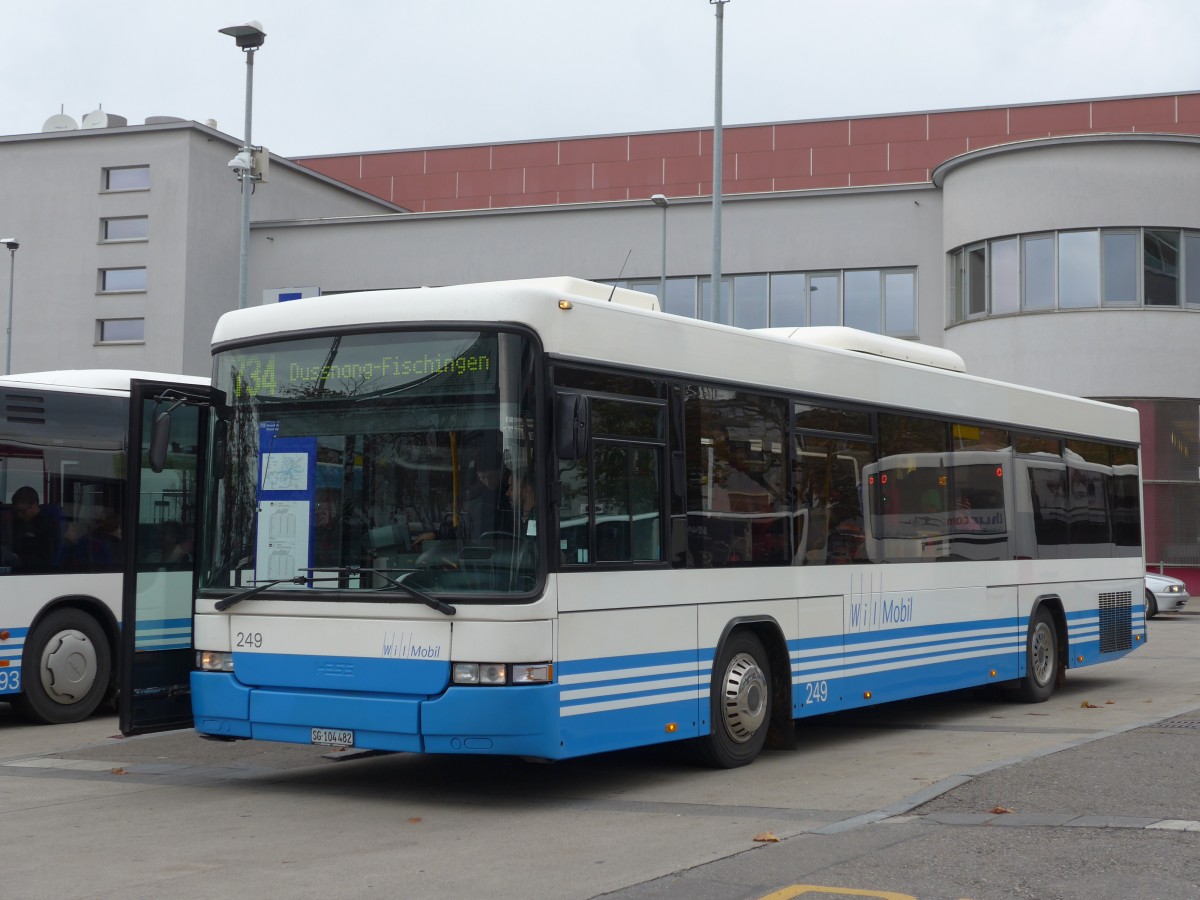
(117, 280)
(1078, 269)
(1160, 252)
(1005, 276)
(1038, 256)
(120, 331)
(1120, 265)
(125, 228)
(750, 297)
(882, 301)
(126, 178)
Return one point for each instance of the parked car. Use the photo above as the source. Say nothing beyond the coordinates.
(1164, 594)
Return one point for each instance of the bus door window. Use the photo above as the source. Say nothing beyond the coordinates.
(612, 499)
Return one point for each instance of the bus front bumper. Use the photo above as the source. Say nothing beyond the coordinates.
(509, 720)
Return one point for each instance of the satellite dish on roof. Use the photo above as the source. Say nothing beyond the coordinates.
(100, 119)
(60, 122)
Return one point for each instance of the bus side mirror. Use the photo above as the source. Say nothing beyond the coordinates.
(160, 441)
(571, 430)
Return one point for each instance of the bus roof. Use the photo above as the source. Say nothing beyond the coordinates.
(590, 322)
(96, 379)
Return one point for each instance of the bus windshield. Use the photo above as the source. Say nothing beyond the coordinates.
(350, 462)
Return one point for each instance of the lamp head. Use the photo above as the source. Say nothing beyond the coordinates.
(10, 243)
(249, 36)
(659, 200)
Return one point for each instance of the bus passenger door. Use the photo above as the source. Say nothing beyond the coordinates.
(161, 522)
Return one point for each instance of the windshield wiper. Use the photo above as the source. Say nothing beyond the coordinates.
(232, 599)
(417, 594)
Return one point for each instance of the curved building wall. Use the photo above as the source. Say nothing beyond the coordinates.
(1120, 327)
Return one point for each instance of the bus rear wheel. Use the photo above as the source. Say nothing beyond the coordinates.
(66, 668)
(1041, 658)
(740, 703)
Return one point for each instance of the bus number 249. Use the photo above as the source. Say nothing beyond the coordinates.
(816, 692)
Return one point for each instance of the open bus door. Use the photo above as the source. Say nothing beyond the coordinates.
(162, 517)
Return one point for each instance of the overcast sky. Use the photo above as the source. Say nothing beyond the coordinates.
(389, 74)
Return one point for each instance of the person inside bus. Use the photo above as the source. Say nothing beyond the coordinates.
(37, 534)
(488, 506)
(172, 551)
(527, 552)
(82, 551)
(525, 507)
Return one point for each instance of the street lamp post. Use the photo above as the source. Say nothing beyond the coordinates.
(249, 38)
(12, 244)
(718, 151)
(661, 202)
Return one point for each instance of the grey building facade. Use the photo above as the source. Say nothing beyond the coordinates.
(1067, 263)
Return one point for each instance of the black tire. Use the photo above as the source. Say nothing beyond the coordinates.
(739, 703)
(65, 669)
(1041, 658)
(1151, 605)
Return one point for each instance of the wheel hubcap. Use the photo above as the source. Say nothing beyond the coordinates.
(68, 667)
(1042, 654)
(744, 698)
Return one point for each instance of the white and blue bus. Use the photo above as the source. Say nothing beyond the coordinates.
(544, 519)
(82, 525)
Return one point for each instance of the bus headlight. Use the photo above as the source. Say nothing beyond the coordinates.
(214, 661)
(501, 673)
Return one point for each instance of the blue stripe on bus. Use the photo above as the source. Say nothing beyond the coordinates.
(163, 634)
(502, 720)
(11, 650)
(606, 703)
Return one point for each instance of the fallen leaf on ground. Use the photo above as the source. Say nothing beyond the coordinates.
(118, 771)
(766, 838)
(1000, 810)
(1086, 705)
(413, 820)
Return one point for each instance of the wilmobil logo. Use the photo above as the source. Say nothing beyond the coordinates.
(869, 613)
(404, 645)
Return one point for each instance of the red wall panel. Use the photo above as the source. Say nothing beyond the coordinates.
(377, 164)
(783, 157)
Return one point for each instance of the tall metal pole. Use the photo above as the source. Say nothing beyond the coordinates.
(12, 269)
(717, 165)
(247, 179)
(661, 201)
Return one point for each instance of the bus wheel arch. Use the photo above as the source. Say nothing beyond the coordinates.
(1045, 651)
(749, 695)
(68, 662)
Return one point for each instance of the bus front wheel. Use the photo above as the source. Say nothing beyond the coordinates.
(740, 703)
(66, 667)
(1041, 658)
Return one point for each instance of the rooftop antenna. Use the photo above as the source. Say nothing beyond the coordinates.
(619, 274)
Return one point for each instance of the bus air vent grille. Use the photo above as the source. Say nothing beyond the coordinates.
(1116, 621)
(25, 408)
